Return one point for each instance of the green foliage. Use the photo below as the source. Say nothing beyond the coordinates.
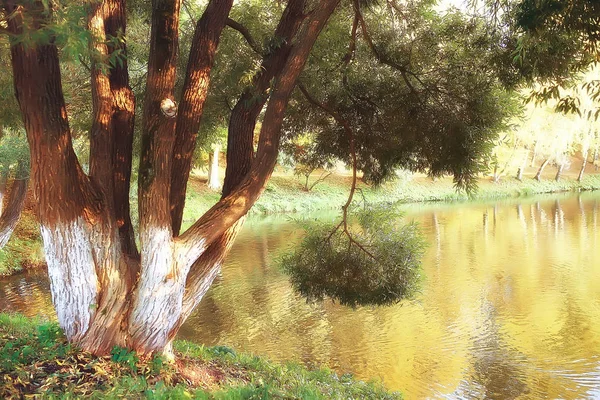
(420, 93)
(375, 262)
(303, 154)
(552, 43)
(14, 154)
(125, 357)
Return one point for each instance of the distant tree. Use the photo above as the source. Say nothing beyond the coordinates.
(14, 167)
(303, 154)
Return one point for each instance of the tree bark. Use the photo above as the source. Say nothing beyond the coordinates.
(195, 89)
(538, 176)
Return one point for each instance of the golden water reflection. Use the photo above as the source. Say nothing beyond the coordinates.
(510, 305)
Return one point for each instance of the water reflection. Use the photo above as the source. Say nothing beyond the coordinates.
(510, 307)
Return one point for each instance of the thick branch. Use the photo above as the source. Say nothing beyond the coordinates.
(240, 139)
(113, 102)
(158, 131)
(101, 137)
(235, 205)
(38, 88)
(195, 89)
(246, 34)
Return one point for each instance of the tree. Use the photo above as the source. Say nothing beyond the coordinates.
(108, 292)
(105, 292)
(305, 157)
(13, 165)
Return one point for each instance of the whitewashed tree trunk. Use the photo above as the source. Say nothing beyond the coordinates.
(107, 294)
(213, 168)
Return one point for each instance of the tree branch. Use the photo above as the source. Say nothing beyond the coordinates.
(232, 207)
(246, 34)
(191, 106)
(344, 123)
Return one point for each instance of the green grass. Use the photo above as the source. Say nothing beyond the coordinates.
(36, 360)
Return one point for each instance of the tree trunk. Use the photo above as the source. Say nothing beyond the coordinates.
(595, 158)
(534, 155)
(559, 172)
(240, 143)
(583, 165)
(11, 214)
(195, 89)
(538, 176)
(102, 295)
(522, 167)
(80, 240)
(213, 168)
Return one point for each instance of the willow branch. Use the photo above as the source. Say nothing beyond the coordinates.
(344, 123)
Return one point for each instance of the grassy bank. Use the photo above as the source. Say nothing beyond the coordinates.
(284, 194)
(35, 360)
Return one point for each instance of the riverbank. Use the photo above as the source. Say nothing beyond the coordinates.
(285, 194)
(36, 360)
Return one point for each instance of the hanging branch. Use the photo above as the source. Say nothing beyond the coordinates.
(344, 123)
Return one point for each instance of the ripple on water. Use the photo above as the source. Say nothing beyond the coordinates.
(510, 306)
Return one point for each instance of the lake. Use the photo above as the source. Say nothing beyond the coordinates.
(509, 306)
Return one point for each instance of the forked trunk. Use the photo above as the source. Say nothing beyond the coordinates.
(105, 295)
(538, 176)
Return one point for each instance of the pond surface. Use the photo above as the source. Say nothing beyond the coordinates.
(510, 305)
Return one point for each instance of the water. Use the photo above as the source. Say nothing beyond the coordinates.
(510, 306)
